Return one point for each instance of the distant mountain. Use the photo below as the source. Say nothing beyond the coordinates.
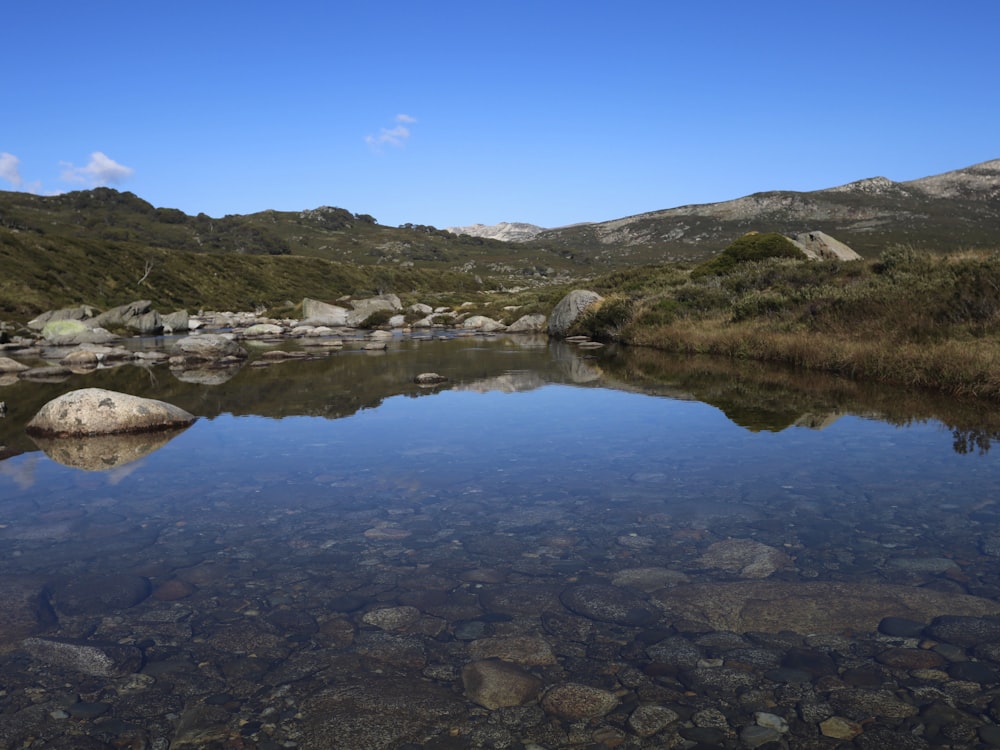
(505, 231)
(946, 212)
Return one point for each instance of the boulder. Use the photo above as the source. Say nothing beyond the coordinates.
(207, 347)
(429, 378)
(95, 411)
(10, 365)
(104, 452)
(569, 308)
(84, 312)
(124, 316)
(319, 313)
(74, 332)
(264, 329)
(534, 323)
(362, 308)
(482, 323)
(821, 246)
(176, 321)
(80, 359)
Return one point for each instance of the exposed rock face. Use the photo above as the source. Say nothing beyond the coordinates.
(506, 231)
(95, 411)
(821, 246)
(815, 607)
(569, 308)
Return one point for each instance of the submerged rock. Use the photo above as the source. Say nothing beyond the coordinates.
(25, 609)
(96, 411)
(98, 658)
(495, 684)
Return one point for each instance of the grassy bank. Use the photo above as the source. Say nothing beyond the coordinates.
(909, 318)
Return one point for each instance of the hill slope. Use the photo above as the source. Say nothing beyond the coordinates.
(952, 211)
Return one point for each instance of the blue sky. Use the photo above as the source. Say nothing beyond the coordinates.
(449, 113)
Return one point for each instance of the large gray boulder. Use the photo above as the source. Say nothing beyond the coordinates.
(123, 315)
(569, 308)
(207, 347)
(176, 321)
(96, 411)
(318, 313)
(362, 308)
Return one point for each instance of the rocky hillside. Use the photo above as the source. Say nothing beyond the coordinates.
(947, 212)
(505, 231)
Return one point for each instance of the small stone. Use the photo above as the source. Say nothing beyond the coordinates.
(646, 721)
(901, 627)
(429, 378)
(755, 736)
(573, 701)
(839, 728)
(772, 721)
(392, 618)
(494, 684)
(526, 650)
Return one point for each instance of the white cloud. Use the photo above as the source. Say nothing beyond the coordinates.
(9, 169)
(101, 170)
(396, 136)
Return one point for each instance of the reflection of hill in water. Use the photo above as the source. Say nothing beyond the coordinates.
(753, 395)
(759, 396)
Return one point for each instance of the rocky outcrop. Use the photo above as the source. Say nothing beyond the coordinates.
(96, 411)
(569, 308)
(506, 231)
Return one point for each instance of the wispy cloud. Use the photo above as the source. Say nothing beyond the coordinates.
(101, 170)
(396, 136)
(9, 169)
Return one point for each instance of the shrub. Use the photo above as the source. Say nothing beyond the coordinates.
(749, 248)
(377, 318)
(605, 320)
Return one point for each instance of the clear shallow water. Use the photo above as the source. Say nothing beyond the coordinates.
(310, 575)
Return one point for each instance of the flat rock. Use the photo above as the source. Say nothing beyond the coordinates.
(608, 604)
(812, 607)
(95, 411)
(746, 558)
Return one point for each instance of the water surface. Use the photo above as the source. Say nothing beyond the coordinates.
(329, 540)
